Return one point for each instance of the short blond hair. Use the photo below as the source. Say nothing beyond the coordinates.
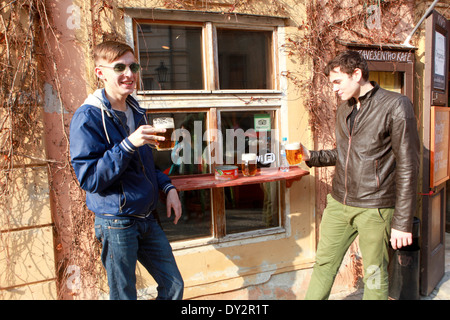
(110, 51)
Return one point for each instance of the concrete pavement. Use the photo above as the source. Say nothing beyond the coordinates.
(441, 292)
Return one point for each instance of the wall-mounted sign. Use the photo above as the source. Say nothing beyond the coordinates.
(262, 122)
(391, 62)
(437, 52)
(387, 55)
(439, 61)
(439, 147)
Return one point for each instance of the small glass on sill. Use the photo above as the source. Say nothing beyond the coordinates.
(249, 165)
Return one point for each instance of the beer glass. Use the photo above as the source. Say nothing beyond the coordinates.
(248, 164)
(294, 153)
(168, 124)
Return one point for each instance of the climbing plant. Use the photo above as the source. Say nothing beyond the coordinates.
(29, 45)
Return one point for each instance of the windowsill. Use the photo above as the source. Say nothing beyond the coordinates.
(231, 239)
(211, 92)
(207, 181)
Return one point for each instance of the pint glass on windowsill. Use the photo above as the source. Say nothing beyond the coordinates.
(168, 124)
(249, 166)
(294, 153)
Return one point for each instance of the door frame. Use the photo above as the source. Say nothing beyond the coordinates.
(433, 197)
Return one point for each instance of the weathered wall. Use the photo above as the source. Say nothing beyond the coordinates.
(47, 245)
(26, 246)
(27, 260)
(207, 270)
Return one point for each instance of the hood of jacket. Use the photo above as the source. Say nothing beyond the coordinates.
(98, 99)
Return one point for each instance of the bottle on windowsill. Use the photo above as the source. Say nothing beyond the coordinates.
(284, 165)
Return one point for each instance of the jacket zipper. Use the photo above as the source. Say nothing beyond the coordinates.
(155, 190)
(350, 134)
(346, 168)
(377, 178)
(121, 206)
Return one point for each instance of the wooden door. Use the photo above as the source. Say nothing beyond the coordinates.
(433, 189)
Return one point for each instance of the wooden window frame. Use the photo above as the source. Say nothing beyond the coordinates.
(211, 99)
(210, 60)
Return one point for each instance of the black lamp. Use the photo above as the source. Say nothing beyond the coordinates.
(162, 73)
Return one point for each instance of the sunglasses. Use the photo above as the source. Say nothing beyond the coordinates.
(120, 68)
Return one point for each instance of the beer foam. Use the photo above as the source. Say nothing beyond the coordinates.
(166, 123)
(293, 146)
(249, 157)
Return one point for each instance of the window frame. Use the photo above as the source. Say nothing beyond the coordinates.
(136, 23)
(210, 21)
(210, 67)
(212, 100)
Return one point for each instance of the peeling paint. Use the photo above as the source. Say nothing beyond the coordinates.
(228, 272)
(52, 103)
(263, 277)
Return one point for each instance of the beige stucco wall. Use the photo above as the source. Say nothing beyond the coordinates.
(250, 263)
(275, 267)
(27, 259)
(264, 267)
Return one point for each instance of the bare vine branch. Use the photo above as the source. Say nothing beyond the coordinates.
(27, 34)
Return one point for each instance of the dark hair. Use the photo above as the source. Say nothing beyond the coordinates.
(110, 51)
(348, 61)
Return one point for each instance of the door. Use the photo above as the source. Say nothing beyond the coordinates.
(433, 190)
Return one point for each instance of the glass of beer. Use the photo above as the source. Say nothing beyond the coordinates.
(248, 164)
(168, 124)
(294, 153)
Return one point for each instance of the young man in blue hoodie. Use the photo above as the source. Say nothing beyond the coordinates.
(112, 159)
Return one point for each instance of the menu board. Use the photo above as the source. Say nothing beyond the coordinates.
(440, 67)
(439, 147)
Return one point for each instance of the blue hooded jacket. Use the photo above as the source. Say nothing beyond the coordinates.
(120, 180)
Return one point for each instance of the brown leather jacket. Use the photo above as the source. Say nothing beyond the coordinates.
(377, 165)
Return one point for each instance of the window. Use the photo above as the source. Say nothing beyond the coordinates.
(393, 81)
(254, 206)
(245, 207)
(186, 158)
(244, 58)
(218, 83)
(170, 56)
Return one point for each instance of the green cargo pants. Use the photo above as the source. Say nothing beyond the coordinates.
(339, 227)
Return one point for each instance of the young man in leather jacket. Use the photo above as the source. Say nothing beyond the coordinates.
(374, 186)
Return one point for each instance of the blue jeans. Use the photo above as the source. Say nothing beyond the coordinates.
(126, 241)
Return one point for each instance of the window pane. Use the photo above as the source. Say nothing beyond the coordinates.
(392, 81)
(248, 131)
(251, 207)
(187, 157)
(184, 159)
(244, 59)
(254, 206)
(171, 57)
(195, 221)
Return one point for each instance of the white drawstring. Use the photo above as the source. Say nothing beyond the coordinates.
(99, 104)
(104, 125)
